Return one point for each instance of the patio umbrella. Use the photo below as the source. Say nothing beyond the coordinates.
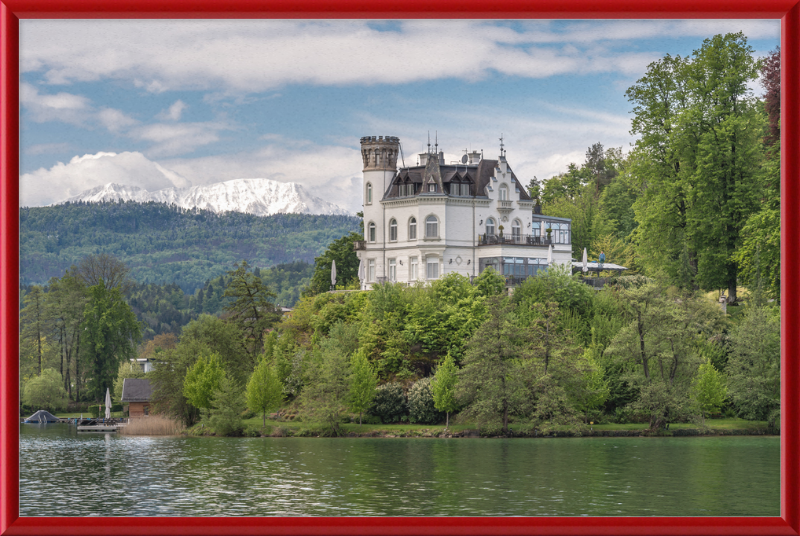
(333, 273)
(361, 270)
(108, 403)
(585, 261)
(549, 254)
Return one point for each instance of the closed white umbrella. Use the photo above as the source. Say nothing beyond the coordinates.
(549, 254)
(585, 261)
(108, 403)
(361, 270)
(333, 274)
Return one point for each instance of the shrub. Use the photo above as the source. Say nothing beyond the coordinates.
(389, 403)
(45, 391)
(421, 407)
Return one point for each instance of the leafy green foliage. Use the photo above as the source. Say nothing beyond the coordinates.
(325, 396)
(264, 390)
(362, 383)
(228, 403)
(45, 391)
(421, 405)
(389, 403)
(251, 307)
(443, 386)
(202, 381)
(343, 252)
(110, 330)
(754, 365)
(708, 389)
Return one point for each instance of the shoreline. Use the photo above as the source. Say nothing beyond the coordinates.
(475, 434)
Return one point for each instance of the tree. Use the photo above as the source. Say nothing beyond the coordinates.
(326, 394)
(754, 365)
(444, 388)
(251, 309)
(45, 391)
(264, 390)
(93, 269)
(698, 158)
(490, 385)
(343, 252)
(363, 381)
(708, 389)
(227, 405)
(110, 333)
(661, 344)
(771, 81)
(32, 320)
(65, 305)
(203, 381)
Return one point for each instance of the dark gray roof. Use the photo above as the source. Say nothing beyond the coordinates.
(478, 176)
(136, 390)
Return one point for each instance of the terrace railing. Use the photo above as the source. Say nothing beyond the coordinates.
(512, 239)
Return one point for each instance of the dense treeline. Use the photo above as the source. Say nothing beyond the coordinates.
(166, 244)
(697, 200)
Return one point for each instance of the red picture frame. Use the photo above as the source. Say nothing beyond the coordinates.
(12, 10)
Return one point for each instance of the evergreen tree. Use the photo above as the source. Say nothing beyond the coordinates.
(252, 307)
(363, 381)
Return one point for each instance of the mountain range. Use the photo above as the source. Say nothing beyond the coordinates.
(260, 197)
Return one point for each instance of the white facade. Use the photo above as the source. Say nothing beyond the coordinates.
(423, 222)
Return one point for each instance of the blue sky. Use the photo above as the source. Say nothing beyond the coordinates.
(176, 103)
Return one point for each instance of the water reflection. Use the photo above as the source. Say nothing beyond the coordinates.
(109, 475)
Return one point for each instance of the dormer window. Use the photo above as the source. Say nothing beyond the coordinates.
(431, 187)
(503, 193)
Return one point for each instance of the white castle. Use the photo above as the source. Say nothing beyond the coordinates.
(425, 221)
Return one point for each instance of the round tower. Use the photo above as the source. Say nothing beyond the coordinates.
(379, 153)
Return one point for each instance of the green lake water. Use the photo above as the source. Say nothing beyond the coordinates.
(63, 473)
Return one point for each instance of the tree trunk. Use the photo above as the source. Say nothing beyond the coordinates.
(447, 421)
(505, 419)
(264, 420)
(359, 418)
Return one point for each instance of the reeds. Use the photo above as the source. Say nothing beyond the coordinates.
(151, 425)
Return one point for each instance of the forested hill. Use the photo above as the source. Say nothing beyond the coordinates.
(165, 244)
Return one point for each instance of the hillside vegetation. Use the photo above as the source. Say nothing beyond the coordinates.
(163, 244)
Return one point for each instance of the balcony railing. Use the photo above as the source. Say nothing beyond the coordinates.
(512, 239)
(360, 245)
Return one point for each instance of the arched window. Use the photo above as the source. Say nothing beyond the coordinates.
(490, 227)
(515, 230)
(393, 230)
(503, 193)
(372, 232)
(431, 227)
(369, 193)
(412, 228)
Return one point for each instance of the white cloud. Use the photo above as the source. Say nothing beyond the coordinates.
(236, 57)
(169, 139)
(47, 186)
(173, 112)
(115, 120)
(62, 106)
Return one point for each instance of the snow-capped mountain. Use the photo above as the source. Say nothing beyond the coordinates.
(262, 197)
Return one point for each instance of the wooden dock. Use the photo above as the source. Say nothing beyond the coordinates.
(100, 427)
